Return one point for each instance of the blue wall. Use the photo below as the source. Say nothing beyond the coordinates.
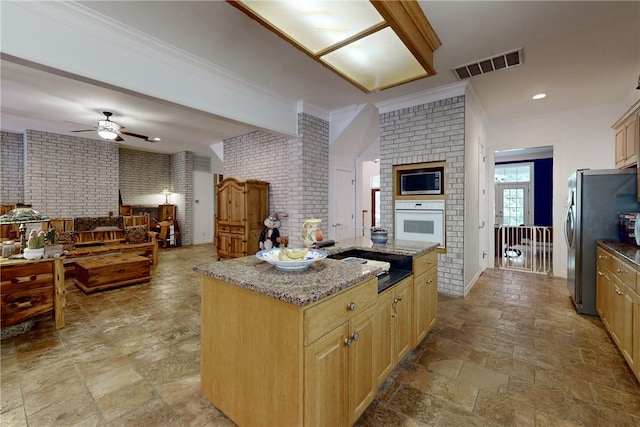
(543, 190)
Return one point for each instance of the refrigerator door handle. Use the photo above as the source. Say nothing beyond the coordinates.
(568, 219)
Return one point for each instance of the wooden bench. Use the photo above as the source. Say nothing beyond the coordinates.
(97, 243)
(98, 274)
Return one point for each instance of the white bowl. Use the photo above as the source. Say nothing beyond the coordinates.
(271, 256)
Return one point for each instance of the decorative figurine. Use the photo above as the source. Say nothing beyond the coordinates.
(270, 234)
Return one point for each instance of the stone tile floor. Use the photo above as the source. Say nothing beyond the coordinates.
(513, 353)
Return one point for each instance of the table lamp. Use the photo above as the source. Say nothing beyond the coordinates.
(166, 193)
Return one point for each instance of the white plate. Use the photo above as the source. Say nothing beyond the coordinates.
(271, 256)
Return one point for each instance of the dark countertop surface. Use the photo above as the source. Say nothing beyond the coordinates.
(629, 252)
(321, 279)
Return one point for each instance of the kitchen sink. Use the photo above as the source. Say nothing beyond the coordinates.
(399, 266)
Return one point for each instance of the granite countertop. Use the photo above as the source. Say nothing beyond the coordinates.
(321, 279)
(399, 247)
(627, 251)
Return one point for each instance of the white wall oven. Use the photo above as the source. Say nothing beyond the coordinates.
(420, 220)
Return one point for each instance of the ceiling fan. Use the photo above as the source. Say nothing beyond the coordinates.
(112, 131)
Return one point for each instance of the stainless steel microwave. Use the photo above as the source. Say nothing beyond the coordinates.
(426, 181)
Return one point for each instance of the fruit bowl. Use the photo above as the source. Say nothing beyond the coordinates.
(271, 256)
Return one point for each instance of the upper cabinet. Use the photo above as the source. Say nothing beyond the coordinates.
(627, 137)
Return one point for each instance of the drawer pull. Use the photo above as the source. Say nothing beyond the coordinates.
(600, 273)
(430, 281)
(352, 306)
(619, 292)
(21, 304)
(621, 271)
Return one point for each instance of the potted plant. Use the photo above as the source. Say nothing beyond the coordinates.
(35, 245)
(52, 248)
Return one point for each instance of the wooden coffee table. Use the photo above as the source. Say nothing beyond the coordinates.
(98, 274)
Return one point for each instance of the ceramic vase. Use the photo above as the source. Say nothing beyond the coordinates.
(379, 237)
(311, 233)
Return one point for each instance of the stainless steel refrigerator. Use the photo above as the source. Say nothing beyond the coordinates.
(595, 198)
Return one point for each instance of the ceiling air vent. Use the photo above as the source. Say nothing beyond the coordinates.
(483, 66)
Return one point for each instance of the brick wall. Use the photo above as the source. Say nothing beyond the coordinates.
(310, 197)
(427, 133)
(263, 156)
(11, 167)
(68, 176)
(182, 187)
(296, 169)
(143, 176)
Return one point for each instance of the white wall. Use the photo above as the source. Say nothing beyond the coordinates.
(203, 207)
(474, 236)
(580, 139)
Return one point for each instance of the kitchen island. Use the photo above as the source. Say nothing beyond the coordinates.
(293, 348)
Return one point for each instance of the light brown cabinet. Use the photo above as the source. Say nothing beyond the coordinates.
(338, 373)
(627, 142)
(394, 328)
(617, 304)
(425, 280)
(30, 288)
(242, 206)
(627, 139)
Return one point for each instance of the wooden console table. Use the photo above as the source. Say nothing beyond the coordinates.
(108, 272)
(29, 288)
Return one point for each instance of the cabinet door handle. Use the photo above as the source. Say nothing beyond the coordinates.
(621, 271)
(600, 273)
(619, 292)
(355, 336)
(352, 306)
(430, 281)
(348, 342)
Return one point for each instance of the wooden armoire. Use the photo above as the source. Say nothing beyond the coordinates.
(242, 206)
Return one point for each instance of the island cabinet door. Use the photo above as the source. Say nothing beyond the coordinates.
(403, 328)
(425, 303)
(339, 381)
(362, 378)
(326, 387)
(383, 354)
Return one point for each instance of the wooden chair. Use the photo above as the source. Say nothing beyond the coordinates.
(163, 235)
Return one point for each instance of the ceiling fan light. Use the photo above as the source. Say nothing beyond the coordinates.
(108, 130)
(107, 133)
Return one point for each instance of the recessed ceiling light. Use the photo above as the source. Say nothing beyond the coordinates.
(539, 96)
